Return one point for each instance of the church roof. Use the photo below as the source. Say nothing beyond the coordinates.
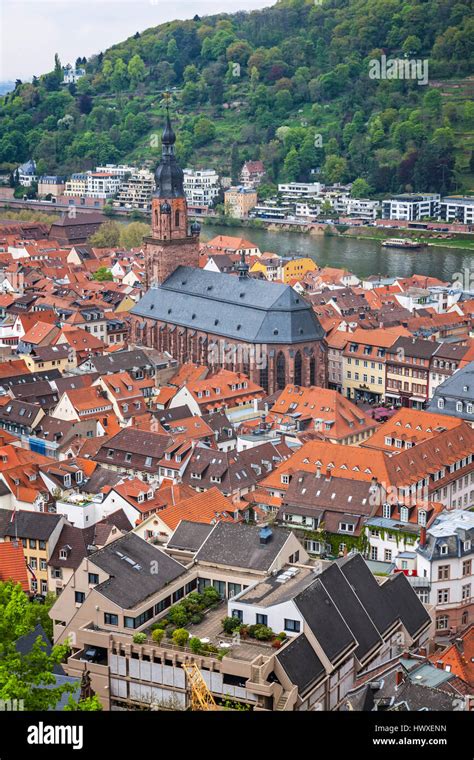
(249, 310)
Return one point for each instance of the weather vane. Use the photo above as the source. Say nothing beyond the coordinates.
(166, 99)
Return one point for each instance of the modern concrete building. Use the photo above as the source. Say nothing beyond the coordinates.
(338, 622)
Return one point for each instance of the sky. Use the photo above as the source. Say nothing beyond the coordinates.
(32, 31)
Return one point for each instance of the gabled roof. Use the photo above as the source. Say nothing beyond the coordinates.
(301, 663)
(325, 621)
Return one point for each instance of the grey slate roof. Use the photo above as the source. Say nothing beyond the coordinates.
(325, 620)
(457, 388)
(352, 611)
(249, 310)
(376, 604)
(238, 545)
(301, 663)
(34, 525)
(130, 583)
(405, 603)
(189, 535)
(121, 361)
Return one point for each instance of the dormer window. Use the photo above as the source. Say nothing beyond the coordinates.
(443, 549)
(64, 552)
(141, 498)
(67, 480)
(285, 479)
(79, 476)
(441, 403)
(459, 406)
(404, 514)
(387, 511)
(466, 546)
(128, 457)
(422, 517)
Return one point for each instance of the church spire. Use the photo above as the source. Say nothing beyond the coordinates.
(243, 267)
(169, 176)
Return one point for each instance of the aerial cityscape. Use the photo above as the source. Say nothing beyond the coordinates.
(237, 370)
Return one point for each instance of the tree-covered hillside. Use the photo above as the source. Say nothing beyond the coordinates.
(288, 84)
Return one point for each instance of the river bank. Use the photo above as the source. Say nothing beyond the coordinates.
(359, 253)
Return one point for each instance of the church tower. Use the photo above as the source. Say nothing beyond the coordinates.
(173, 242)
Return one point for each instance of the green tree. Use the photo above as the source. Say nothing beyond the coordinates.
(157, 635)
(412, 45)
(180, 637)
(28, 677)
(90, 704)
(204, 131)
(136, 70)
(103, 275)
(334, 169)
(131, 236)
(360, 188)
(119, 78)
(107, 236)
(291, 165)
(443, 138)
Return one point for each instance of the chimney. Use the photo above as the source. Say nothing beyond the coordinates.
(422, 536)
(399, 678)
(439, 664)
(328, 473)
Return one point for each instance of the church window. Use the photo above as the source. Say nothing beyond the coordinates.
(281, 371)
(298, 367)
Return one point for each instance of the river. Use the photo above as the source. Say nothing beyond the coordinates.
(360, 256)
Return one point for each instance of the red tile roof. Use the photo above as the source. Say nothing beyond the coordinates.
(13, 564)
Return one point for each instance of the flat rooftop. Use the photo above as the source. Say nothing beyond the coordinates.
(278, 588)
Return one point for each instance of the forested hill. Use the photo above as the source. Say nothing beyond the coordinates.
(288, 84)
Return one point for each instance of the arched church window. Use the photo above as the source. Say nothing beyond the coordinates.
(298, 365)
(281, 370)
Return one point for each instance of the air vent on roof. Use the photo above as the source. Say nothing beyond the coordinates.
(265, 534)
